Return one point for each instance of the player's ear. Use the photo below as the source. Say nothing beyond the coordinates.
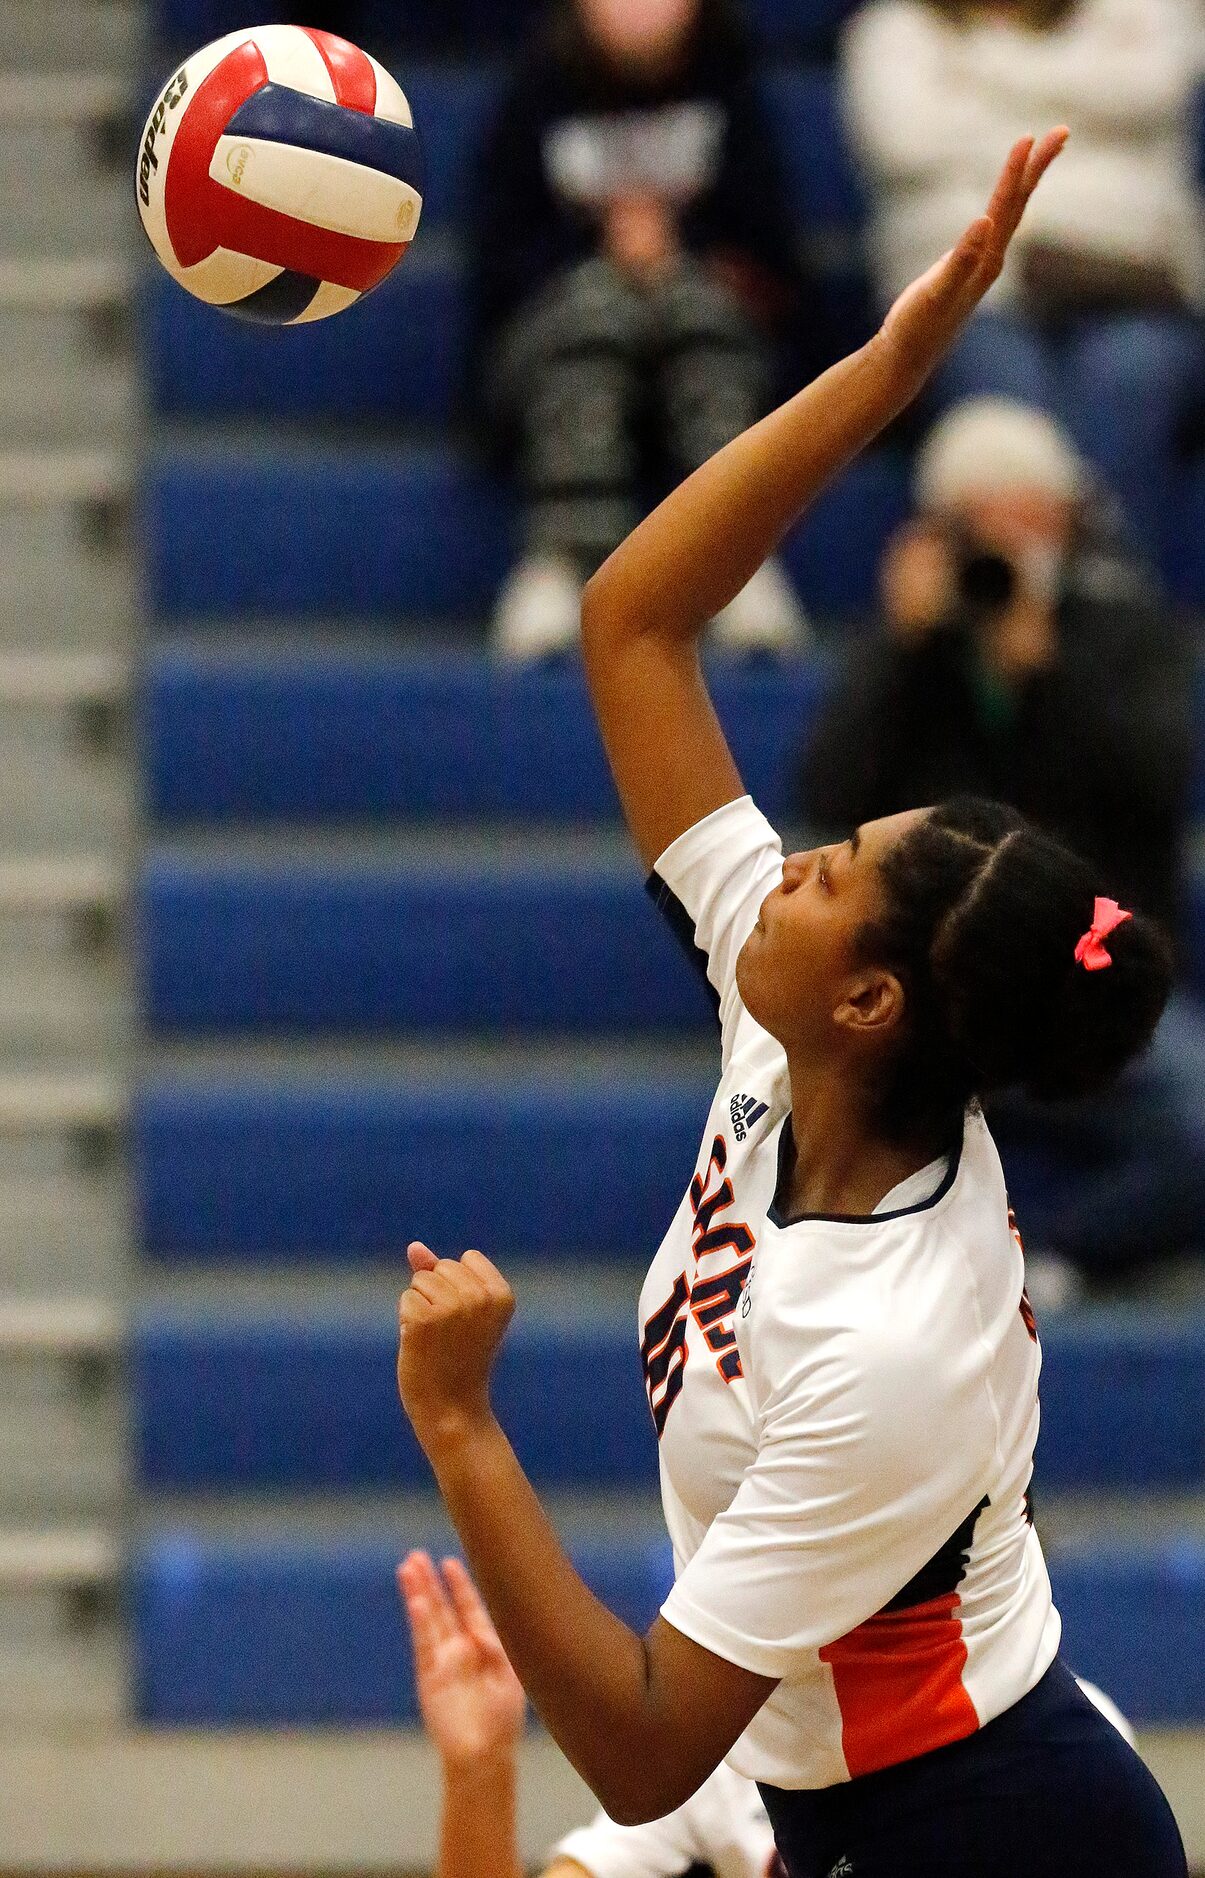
(870, 1005)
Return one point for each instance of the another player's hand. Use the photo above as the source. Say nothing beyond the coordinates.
(929, 314)
(471, 1700)
(452, 1319)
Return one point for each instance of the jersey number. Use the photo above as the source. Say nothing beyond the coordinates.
(711, 1301)
(664, 1350)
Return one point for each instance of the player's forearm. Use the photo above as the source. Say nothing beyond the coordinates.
(697, 550)
(478, 1826)
(585, 1672)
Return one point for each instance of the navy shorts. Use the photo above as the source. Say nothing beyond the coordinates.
(1047, 1790)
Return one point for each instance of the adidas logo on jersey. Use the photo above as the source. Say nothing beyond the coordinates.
(746, 1112)
(842, 1869)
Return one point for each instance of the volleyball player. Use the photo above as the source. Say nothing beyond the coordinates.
(473, 1708)
(841, 1362)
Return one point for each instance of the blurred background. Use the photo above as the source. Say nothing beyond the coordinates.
(317, 929)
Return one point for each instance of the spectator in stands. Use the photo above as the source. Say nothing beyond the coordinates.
(1024, 656)
(636, 272)
(1096, 315)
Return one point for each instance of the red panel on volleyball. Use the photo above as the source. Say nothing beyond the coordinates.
(202, 215)
(351, 70)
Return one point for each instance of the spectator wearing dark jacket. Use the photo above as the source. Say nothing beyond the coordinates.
(1025, 658)
(635, 276)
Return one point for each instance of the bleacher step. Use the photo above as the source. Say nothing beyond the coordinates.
(62, 1225)
(101, 35)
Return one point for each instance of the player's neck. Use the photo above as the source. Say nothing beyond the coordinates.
(841, 1164)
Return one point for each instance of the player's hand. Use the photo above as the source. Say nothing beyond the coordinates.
(452, 1319)
(929, 314)
(472, 1702)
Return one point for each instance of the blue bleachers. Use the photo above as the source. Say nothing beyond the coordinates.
(312, 532)
(315, 734)
(351, 1167)
(294, 1634)
(322, 532)
(398, 354)
(1133, 1619)
(282, 1403)
(305, 1634)
(277, 1402)
(496, 946)
(264, 1168)
(499, 946)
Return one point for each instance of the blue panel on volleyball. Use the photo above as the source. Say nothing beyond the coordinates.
(292, 533)
(284, 1403)
(826, 187)
(1123, 1403)
(336, 533)
(301, 735)
(398, 353)
(282, 114)
(296, 1634)
(351, 1167)
(517, 946)
(1133, 1620)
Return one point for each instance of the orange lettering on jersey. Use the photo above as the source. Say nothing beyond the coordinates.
(898, 1683)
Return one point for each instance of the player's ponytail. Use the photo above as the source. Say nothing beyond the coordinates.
(985, 916)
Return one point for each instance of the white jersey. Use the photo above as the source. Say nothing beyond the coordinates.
(724, 1826)
(846, 1407)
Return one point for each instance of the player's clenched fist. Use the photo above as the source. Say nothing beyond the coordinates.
(453, 1318)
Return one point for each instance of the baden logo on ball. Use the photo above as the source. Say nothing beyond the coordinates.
(279, 174)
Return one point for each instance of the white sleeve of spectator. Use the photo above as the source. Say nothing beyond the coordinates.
(713, 879)
(661, 1849)
(908, 117)
(1124, 64)
(868, 1460)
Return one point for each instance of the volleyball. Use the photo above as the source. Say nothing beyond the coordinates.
(279, 175)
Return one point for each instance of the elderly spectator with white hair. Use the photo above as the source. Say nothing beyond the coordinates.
(1023, 655)
(1096, 317)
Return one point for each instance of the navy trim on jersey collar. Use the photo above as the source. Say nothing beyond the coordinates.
(778, 1218)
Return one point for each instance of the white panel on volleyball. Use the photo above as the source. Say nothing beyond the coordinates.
(293, 59)
(392, 102)
(322, 190)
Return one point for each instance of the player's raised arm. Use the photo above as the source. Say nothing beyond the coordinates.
(645, 609)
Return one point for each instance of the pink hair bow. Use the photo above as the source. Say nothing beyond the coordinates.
(1091, 952)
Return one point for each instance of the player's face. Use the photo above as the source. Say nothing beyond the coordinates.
(800, 965)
